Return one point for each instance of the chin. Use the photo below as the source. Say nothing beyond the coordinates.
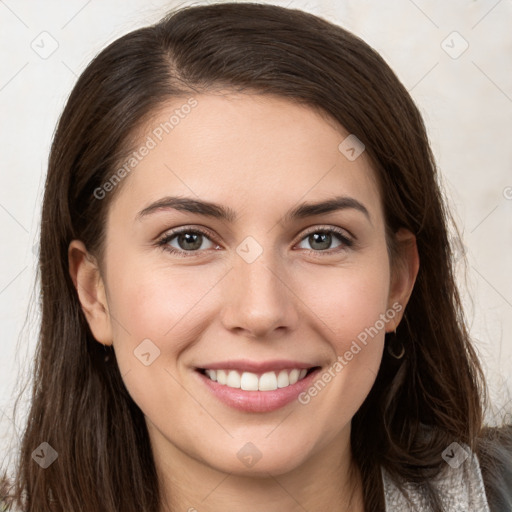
(257, 460)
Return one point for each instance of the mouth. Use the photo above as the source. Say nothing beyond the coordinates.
(261, 381)
(257, 392)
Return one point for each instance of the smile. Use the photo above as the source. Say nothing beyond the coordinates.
(257, 392)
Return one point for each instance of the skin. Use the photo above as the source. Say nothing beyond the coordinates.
(260, 156)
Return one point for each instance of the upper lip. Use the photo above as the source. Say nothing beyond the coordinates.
(256, 366)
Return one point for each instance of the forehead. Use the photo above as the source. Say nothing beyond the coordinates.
(255, 153)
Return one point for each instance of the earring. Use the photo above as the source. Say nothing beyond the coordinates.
(397, 352)
(108, 354)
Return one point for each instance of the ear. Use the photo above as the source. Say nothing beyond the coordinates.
(403, 274)
(86, 277)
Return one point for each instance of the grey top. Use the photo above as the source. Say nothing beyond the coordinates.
(460, 486)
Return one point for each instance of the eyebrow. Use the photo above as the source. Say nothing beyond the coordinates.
(218, 211)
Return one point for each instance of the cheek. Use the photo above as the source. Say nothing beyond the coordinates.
(349, 300)
(351, 306)
(156, 314)
(156, 302)
(352, 309)
(151, 299)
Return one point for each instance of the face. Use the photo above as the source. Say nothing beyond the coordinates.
(270, 291)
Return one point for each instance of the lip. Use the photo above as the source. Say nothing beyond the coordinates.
(245, 365)
(257, 401)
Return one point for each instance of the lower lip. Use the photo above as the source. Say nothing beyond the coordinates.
(257, 401)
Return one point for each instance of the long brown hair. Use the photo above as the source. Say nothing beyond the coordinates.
(80, 405)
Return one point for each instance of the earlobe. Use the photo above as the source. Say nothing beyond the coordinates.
(403, 274)
(90, 288)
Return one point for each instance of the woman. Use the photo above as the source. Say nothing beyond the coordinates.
(248, 371)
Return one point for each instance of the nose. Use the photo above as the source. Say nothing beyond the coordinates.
(260, 300)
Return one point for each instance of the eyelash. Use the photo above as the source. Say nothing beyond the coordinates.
(164, 241)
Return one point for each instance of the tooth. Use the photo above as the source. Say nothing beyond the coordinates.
(249, 381)
(221, 377)
(233, 380)
(268, 382)
(294, 376)
(282, 379)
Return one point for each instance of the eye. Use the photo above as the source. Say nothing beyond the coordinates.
(188, 241)
(320, 239)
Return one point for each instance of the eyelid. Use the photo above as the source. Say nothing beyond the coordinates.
(319, 227)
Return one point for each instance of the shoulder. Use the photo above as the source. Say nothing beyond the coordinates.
(459, 486)
(471, 480)
(494, 450)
